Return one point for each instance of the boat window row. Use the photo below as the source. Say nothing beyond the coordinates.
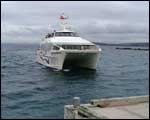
(79, 47)
(66, 34)
(48, 47)
(62, 34)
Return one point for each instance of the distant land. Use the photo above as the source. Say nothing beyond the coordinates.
(140, 44)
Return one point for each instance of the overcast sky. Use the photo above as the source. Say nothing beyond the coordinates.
(101, 21)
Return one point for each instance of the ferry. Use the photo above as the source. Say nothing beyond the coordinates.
(64, 48)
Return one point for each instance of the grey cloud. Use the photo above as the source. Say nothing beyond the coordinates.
(118, 21)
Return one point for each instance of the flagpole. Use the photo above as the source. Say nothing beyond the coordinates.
(63, 22)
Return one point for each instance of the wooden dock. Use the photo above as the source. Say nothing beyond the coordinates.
(135, 107)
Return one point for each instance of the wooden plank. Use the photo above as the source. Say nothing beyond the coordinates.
(85, 112)
(120, 101)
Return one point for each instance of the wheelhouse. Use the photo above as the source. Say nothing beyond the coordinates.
(62, 34)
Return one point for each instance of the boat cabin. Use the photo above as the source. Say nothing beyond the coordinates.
(62, 34)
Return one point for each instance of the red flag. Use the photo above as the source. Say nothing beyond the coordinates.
(63, 17)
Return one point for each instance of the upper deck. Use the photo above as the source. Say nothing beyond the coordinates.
(65, 36)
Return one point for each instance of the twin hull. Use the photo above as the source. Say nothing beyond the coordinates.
(66, 58)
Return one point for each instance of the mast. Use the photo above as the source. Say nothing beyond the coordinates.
(64, 22)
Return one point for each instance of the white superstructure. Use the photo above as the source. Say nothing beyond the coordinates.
(65, 48)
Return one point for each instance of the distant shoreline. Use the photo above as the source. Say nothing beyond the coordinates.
(144, 44)
(132, 49)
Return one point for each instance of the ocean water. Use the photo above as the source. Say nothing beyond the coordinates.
(30, 90)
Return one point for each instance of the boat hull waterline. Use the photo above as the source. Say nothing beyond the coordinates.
(69, 58)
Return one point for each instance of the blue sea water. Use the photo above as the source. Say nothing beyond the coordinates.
(30, 90)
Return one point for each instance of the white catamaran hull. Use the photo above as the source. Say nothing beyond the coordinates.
(64, 58)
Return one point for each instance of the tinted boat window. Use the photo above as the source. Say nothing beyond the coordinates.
(68, 34)
(55, 48)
